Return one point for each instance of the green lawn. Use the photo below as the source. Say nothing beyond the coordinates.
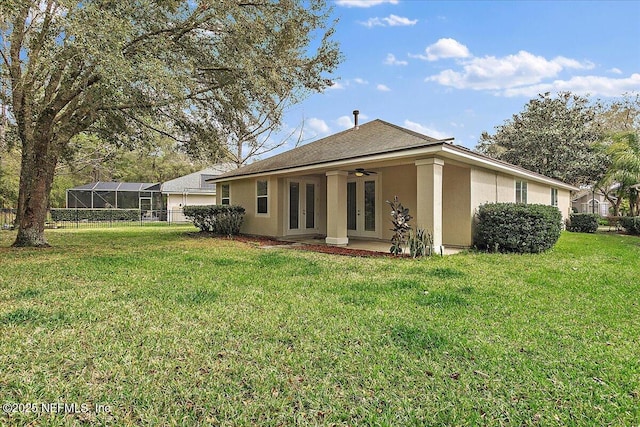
(169, 329)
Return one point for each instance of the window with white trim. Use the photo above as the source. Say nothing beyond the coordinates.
(521, 192)
(554, 197)
(225, 195)
(262, 196)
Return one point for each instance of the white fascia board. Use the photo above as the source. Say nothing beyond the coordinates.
(339, 164)
(487, 163)
(444, 150)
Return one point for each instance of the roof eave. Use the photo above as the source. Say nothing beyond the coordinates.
(390, 155)
(441, 147)
(489, 163)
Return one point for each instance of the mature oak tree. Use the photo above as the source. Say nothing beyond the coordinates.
(556, 136)
(124, 69)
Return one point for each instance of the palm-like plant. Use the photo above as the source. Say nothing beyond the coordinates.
(624, 152)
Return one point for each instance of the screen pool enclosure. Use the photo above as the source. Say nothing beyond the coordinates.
(118, 195)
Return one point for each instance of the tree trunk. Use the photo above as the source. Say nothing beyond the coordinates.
(36, 178)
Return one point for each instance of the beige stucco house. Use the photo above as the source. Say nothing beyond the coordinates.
(589, 201)
(191, 189)
(336, 187)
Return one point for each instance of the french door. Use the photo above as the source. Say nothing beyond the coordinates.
(302, 215)
(363, 207)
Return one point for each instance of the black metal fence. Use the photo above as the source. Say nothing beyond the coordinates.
(77, 218)
(7, 218)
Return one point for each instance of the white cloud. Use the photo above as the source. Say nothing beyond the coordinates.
(615, 70)
(425, 130)
(318, 126)
(360, 81)
(399, 21)
(392, 60)
(335, 85)
(418, 56)
(389, 21)
(345, 122)
(491, 73)
(572, 63)
(372, 22)
(383, 88)
(581, 85)
(363, 3)
(446, 48)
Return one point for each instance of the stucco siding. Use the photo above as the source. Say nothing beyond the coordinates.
(456, 206)
(538, 194)
(321, 207)
(483, 188)
(506, 188)
(564, 203)
(397, 181)
(175, 202)
(244, 193)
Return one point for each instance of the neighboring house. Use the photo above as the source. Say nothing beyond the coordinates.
(117, 195)
(336, 187)
(192, 189)
(588, 201)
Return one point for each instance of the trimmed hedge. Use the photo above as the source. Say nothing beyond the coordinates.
(583, 223)
(219, 219)
(510, 227)
(631, 224)
(95, 215)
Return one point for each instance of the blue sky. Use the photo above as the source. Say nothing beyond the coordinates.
(458, 68)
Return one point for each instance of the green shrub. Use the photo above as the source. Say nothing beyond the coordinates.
(583, 223)
(95, 215)
(631, 224)
(219, 219)
(510, 227)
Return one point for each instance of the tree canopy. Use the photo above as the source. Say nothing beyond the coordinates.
(125, 70)
(556, 136)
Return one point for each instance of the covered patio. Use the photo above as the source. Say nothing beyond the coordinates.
(372, 245)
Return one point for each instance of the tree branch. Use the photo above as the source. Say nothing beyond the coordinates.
(155, 129)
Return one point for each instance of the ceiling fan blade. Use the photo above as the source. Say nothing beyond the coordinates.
(362, 172)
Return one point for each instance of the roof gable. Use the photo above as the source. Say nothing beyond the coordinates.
(195, 180)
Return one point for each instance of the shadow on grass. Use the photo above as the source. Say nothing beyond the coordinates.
(440, 300)
(31, 316)
(415, 339)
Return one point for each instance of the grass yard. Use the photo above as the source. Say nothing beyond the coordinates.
(161, 328)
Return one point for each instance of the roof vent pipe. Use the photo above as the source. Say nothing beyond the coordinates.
(355, 118)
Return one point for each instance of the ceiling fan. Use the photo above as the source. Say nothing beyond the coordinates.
(363, 172)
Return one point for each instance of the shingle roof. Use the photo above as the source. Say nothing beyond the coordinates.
(194, 181)
(371, 138)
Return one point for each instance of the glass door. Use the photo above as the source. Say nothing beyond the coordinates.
(363, 207)
(301, 218)
(145, 208)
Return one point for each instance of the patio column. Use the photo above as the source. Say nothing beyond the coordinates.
(429, 197)
(337, 208)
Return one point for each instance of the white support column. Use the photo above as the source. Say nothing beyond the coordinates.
(429, 197)
(337, 208)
